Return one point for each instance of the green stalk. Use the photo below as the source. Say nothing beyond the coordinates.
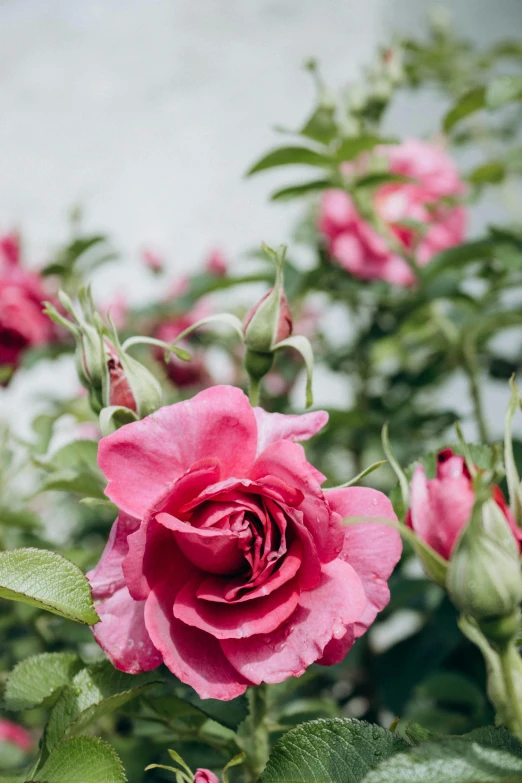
(259, 744)
(253, 393)
(471, 368)
(509, 659)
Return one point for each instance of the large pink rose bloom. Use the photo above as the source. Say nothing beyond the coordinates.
(441, 507)
(359, 249)
(228, 562)
(22, 322)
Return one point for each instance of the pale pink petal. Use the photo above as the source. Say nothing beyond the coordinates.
(372, 549)
(324, 613)
(142, 459)
(280, 426)
(123, 635)
(195, 657)
(107, 576)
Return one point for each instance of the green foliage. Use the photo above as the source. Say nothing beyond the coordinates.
(487, 755)
(81, 760)
(48, 581)
(330, 751)
(35, 680)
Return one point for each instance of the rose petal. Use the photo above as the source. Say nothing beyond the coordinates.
(287, 461)
(279, 426)
(322, 614)
(211, 549)
(236, 620)
(152, 553)
(373, 549)
(107, 576)
(141, 459)
(123, 635)
(194, 656)
(337, 649)
(238, 590)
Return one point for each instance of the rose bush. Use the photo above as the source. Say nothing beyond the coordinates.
(228, 562)
(22, 322)
(441, 507)
(424, 197)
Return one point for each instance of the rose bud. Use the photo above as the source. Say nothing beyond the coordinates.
(484, 576)
(441, 507)
(205, 776)
(153, 261)
(15, 735)
(266, 324)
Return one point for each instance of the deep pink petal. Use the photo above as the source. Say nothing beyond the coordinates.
(280, 426)
(211, 549)
(236, 620)
(205, 776)
(107, 576)
(142, 459)
(152, 553)
(195, 657)
(373, 549)
(123, 635)
(337, 649)
(15, 734)
(322, 614)
(237, 590)
(287, 461)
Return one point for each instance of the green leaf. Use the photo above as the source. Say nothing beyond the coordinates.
(290, 156)
(19, 518)
(228, 713)
(486, 755)
(379, 178)
(302, 345)
(467, 104)
(94, 691)
(295, 191)
(492, 173)
(352, 146)
(82, 760)
(321, 125)
(36, 679)
(73, 468)
(502, 90)
(47, 580)
(458, 256)
(335, 750)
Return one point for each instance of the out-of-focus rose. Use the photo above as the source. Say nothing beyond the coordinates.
(15, 735)
(153, 260)
(228, 562)
(216, 263)
(205, 776)
(22, 322)
(194, 372)
(441, 507)
(363, 252)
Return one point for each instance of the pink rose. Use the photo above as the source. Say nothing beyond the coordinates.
(153, 261)
(184, 374)
(363, 252)
(15, 734)
(441, 507)
(228, 562)
(205, 776)
(22, 322)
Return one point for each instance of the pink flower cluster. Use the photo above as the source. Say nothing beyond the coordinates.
(364, 252)
(22, 322)
(228, 562)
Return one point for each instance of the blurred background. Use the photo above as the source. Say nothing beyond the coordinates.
(147, 115)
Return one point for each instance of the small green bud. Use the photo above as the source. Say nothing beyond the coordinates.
(484, 576)
(269, 321)
(258, 364)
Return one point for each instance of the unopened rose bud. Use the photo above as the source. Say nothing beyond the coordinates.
(266, 324)
(216, 264)
(484, 575)
(91, 364)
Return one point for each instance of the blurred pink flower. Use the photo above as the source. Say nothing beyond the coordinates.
(22, 322)
(216, 263)
(183, 374)
(361, 250)
(153, 260)
(15, 734)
